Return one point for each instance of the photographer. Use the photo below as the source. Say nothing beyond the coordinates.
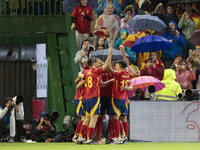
(44, 128)
(153, 66)
(83, 54)
(9, 126)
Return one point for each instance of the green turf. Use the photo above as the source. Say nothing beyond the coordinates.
(129, 146)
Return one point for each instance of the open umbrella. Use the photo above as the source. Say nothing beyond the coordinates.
(143, 22)
(101, 54)
(175, 2)
(150, 42)
(143, 82)
(195, 39)
(69, 5)
(150, 5)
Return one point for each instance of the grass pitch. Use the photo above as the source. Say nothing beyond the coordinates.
(129, 146)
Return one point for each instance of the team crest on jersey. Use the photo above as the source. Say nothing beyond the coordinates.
(149, 71)
(87, 11)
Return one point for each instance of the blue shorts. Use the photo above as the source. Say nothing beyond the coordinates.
(105, 104)
(117, 107)
(126, 110)
(93, 106)
(80, 106)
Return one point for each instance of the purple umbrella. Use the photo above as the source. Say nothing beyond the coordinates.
(69, 5)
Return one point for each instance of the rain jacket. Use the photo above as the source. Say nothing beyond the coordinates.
(127, 49)
(102, 5)
(177, 43)
(171, 89)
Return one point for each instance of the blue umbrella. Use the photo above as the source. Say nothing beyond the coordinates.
(69, 5)
(150, 42)
(143, 22)
(101, 54)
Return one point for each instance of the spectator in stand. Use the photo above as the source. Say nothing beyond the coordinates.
(83, 54)
(117, 7)
(129, 11)
(125, 3)
(153, 67)
(185, 76)
(108, 24)
(100, 44)
(176, 65)
(177, 40)
(81, 18)
(194, 58)
(188, 27)
(171, 89)
(132, 67)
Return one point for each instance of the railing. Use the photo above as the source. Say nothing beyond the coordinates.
(30, 7)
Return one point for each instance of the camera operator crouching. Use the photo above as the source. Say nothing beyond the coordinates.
(11, 119)
(45, 127)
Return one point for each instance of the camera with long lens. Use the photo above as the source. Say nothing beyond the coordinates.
(139, 94)
(51, 116)
(17, 100)
(189, 95)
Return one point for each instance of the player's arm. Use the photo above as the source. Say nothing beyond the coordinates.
(80, 75)
(80, 84)
(108, 61)
(121, 47)
(77, 80)
(104, 84)
(128, 87)
(137, 73)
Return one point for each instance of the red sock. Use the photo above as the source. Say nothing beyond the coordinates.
(83, 131)
(78, 127)
(121, 128)
(110, 130)
(116, 127)
(126, 128)
(99, 127)
(91, 133)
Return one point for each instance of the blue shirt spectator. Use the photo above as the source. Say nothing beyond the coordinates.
(177, 40)
(103, 4)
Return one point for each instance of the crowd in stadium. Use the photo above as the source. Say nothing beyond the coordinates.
(103, 85)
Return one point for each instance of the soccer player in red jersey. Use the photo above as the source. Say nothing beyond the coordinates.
(105, 100)
(79, 103)
(81, 17)
(118, 102)
(92, 77)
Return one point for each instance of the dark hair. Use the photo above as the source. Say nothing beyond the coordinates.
(178, 56)
(122, 63)
(85, 41)
(8, 99)
(197, 45)
(97, 45)
(152, 51)
(94, 61)
(128, 9)
(89, 61)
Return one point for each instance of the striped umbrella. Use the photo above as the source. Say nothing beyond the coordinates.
(101, 54)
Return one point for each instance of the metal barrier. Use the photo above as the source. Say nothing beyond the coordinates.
(30, 7)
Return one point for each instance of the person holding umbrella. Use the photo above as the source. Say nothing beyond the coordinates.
(81, 17)
(153, 66)
(177, 40)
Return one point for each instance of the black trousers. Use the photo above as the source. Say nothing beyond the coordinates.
(1, 127)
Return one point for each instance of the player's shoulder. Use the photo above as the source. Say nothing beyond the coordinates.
(88, 7)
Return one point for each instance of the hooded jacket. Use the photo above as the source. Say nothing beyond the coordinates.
(127, 49)
(171, 89)
(176, 46)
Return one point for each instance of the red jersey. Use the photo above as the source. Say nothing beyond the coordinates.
(92, 85)
(79, 93)
(82, 24)
(120, 79)
(106, 91)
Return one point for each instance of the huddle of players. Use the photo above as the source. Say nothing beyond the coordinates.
(101, 88)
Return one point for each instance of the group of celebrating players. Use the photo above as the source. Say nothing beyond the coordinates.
(102, 87)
